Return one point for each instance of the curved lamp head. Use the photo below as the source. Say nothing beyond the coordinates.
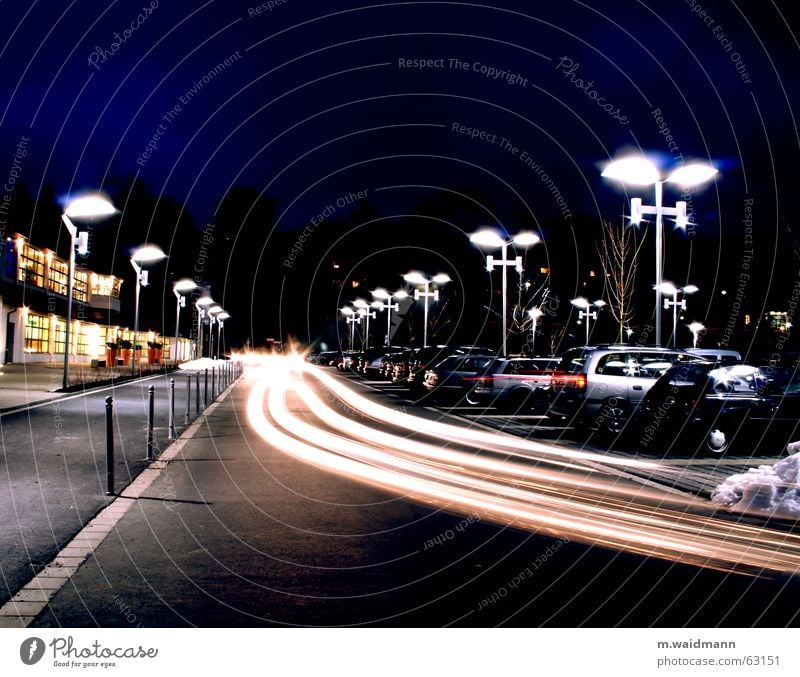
(692, 174)
(90, 206)
(184, 286)
(148, 253)
(636, 170)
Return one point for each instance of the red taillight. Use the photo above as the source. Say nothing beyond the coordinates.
(580, 382)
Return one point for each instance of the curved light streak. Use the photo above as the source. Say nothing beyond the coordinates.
(505, 479)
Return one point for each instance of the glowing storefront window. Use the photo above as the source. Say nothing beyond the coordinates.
(37, 333)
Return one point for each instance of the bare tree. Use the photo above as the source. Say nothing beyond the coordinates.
(619, 253)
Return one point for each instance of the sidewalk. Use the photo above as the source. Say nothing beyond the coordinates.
(24, 384)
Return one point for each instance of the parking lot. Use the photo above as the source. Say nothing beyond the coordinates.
(687, 474)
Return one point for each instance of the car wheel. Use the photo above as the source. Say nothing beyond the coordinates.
(717, 440)
(471, 399)
(613, 417)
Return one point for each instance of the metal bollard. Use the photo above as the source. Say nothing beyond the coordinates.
(151, 405)
(188, 398)
(205, 392)
(213, 382)
(109, 446)
(197, 393)
(172, 433)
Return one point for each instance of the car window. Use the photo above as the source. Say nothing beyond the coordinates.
(573, 362)
(617, 364)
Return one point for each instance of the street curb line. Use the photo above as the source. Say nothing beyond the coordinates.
(23, 608)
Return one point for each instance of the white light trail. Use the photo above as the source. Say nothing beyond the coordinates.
(506, 479)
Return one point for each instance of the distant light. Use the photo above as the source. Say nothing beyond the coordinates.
(691, 289)
(414, 277)
(636, 170)
(204, 301)
(696, 327)
(88, 206)
(441, 278)
(401, 294)
(600, 303)
(535, 313)
(347, 310)
(380, 293)
(668, 288)
(692, 174)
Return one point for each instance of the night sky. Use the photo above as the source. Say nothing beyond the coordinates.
(385, 134)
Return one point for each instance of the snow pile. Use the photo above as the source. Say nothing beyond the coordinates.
(772, 490)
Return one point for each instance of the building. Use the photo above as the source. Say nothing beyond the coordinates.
(33, 309)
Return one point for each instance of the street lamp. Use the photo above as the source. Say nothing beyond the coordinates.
(202, 305)
(352, 319)
(584, 311)
(85, 207)
(221, 317)
(491, 238)
(695, 328)
(363, 309)
(639, 171)
(180, 288)
(145, 254)
(213, 311)
(669, 289)
(416, 278)
(384, 302)
(534, 314)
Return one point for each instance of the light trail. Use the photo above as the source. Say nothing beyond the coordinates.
(527, 484)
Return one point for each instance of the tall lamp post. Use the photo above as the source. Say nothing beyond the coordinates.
(142, 256)
(534, 314)
(363, 309)
(384, 302)
(202, 305)
(639, 171)
(224, 315)
(180, 288)
(585, 311)
(669, 289)
(491, 238)
(416, 278)
(352, 319)
(213, 312)
(85, 207)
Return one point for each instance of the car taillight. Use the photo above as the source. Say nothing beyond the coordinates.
(580, 382)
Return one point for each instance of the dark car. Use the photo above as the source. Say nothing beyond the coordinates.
(515, 383)
(453, 375)
(707, 407)
(425, 358)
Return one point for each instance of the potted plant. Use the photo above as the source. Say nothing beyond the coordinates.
(125, 346)
(111, 354)
(151, 352)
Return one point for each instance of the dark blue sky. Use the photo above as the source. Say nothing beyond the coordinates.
(309, 102)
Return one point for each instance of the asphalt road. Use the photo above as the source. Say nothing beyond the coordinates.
(237, 534)
(53, 468)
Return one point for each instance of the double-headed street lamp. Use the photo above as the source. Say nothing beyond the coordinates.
(384, 302)
(418, 279)
(363, 309)
(492, 238)
(534, 314)
(86, 207)
(352, 318)
(142, 256)
(180, 288)
(669, 289)
(638, 171)
(584, 306)
(202, 304)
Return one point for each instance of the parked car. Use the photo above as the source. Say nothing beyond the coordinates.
(369, 362)
(721, 355)
(424, 358)
(598, 387)
(327, 358)
(391, 362)
(448, 377)
(348, 361)
(514, 383)
(708, 407)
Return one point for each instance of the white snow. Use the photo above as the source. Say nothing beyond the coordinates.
(772, 490)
